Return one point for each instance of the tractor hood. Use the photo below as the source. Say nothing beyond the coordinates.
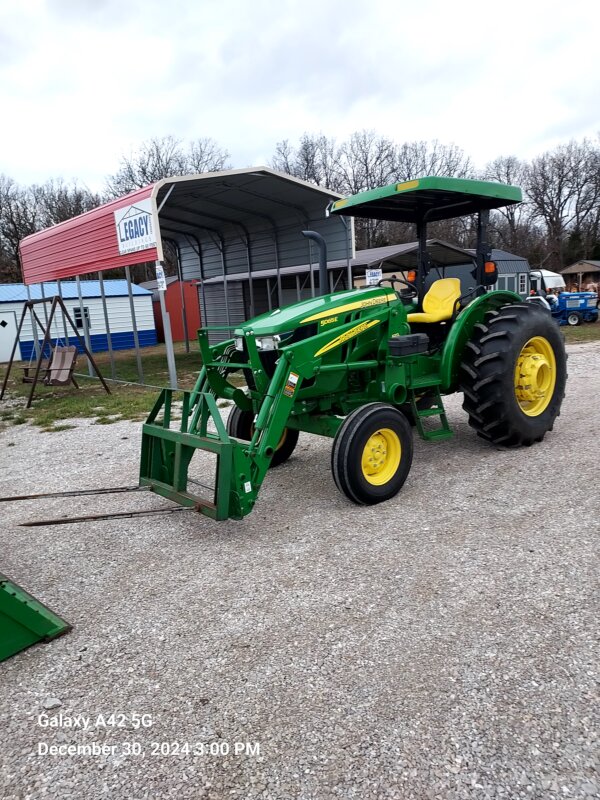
(283, 320)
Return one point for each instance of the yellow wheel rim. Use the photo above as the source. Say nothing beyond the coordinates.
(535, 376)
(381, 457)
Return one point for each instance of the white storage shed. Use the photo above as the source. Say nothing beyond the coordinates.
(121, 325)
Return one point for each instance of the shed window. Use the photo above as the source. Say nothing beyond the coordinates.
(522, 283)
(77, 316)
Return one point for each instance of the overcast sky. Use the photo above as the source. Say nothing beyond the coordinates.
(84, 81)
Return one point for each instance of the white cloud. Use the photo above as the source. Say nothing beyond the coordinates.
(83, 82)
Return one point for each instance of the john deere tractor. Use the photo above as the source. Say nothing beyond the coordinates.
(366, 367)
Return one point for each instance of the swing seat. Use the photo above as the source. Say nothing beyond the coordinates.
(62, 364)
(29, 371)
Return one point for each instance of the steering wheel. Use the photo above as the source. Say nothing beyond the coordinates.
(407, 294)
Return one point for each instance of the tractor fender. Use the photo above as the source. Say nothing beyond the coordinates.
(462, 330)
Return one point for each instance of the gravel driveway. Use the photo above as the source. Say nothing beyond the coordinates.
(442, 645)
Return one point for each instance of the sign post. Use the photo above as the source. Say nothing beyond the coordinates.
(161, 285)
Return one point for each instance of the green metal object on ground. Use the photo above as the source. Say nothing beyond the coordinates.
(24, 620)
(359, 366)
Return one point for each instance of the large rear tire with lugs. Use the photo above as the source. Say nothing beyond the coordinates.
(513, 375)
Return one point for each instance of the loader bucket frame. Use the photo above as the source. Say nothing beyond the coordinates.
(24, 621)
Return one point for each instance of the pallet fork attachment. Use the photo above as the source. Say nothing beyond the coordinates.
(167, 450)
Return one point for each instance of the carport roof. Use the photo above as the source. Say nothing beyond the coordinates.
(402, 256)
(224, 202)
(580, 267)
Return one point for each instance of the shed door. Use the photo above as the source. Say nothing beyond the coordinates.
(8, 332)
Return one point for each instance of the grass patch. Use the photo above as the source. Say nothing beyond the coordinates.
(586, 332)
(52, 404)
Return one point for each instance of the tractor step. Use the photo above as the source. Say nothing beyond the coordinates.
(438, 435)
(436, 409)
(24, 620)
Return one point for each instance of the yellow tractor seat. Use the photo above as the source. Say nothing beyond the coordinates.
(439, 302)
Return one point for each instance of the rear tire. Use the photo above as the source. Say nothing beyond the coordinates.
(240, 424)
(513, 375)
(372, 454)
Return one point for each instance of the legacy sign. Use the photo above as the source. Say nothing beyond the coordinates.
(135, 230)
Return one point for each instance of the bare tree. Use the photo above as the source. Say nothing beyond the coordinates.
(564, 191)
(314, 160)
(25, 210)
(205, 155)
(420, 159)
(19, 216)
(58, 201)
(164, 157)
(366, 161)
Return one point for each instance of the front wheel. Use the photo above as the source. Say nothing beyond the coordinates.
(372, 454)
(240, 424)
(574, 318)
(513, 375)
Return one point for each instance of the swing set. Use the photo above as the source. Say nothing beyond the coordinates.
(58, 369)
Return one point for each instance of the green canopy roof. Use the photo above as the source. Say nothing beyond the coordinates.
(427, 199)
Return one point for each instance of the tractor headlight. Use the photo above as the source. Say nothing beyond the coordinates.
(239, 343)
(265, 343)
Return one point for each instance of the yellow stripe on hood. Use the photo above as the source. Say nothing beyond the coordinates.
(357, 305)
(343, 337)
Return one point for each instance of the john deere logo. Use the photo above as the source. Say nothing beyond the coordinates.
(135, 229)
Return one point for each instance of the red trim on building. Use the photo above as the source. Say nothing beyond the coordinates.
(87, 243)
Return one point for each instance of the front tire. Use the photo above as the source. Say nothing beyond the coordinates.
(513, 375)
(240, 424)
(574, 318)
(372, 454)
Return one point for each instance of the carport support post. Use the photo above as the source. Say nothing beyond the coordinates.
(136, 338)
(84, 322)
(161, 286)
(113, 372)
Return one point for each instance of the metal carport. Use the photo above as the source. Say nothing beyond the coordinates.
(223, 223)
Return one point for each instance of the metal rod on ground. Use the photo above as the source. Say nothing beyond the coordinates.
(36, 523)
(76, 493)
(161, 286)
(136, 338)
(84, 322)
(113, 372)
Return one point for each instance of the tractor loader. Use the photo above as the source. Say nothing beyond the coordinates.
(366, 367)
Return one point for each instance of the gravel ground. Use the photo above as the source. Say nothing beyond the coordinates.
(442, 645)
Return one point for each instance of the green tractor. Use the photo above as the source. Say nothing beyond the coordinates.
(365, 366)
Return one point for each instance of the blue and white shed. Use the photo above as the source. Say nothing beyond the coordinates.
(120, 323)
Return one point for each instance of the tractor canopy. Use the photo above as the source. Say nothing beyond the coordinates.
(427, 199)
